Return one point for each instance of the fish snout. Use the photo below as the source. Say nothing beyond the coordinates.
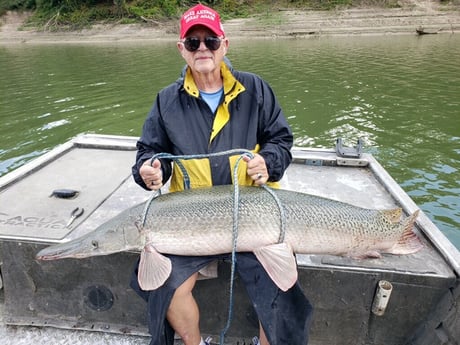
(43, 256)
(60, 251)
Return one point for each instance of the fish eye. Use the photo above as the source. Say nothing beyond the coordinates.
(95, 244)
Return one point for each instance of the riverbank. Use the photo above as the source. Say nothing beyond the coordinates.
(429, 15)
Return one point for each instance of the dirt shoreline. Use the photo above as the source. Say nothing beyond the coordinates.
(429, 15)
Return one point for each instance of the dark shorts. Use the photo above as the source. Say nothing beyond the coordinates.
(285, 316)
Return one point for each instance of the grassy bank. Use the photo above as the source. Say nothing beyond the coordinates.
(76, 14)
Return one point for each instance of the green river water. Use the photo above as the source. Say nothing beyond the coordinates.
(401, 94)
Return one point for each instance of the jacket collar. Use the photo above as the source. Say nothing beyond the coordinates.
(225, 70)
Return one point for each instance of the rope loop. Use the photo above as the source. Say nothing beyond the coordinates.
(147, 206)
(177, 158)
(236, 202)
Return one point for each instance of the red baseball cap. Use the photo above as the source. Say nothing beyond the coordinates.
(201, 15)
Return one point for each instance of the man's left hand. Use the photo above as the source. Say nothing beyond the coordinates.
(257, 169)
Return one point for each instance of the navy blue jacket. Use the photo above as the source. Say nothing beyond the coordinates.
(181, 123)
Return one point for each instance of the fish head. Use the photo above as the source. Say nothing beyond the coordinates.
(116, 235)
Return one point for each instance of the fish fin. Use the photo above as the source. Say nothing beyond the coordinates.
(408, 243)
(154, 269)
(393, 215)
(280, 264)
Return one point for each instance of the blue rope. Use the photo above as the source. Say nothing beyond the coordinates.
(281, 211)
(236, 198)
(148, 204)
(177, 159)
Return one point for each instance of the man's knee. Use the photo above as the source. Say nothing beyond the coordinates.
(187, 286)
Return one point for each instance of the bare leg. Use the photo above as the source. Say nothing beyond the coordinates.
(183, 313)
(262, 337)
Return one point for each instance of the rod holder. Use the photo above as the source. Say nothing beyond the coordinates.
(382, 297)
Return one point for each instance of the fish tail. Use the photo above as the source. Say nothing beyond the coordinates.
(408, 243)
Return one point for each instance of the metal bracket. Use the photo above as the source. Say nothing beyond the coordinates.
(349, 152)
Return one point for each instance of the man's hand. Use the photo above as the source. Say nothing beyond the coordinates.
(257, 169)
(152, 174)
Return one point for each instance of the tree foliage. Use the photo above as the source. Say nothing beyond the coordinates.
(78, 13)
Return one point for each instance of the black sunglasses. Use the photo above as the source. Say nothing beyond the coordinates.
(193, 43)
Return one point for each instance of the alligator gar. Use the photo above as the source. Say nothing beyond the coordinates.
(200, 222)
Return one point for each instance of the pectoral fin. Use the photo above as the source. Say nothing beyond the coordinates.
(280, 264)
(154, 269)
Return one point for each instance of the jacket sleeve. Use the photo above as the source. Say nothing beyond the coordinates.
(274, 134)
(154, 139)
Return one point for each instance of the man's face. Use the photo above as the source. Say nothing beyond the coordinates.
(203, 59)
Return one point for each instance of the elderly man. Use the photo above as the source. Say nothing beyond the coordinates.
(214, 108)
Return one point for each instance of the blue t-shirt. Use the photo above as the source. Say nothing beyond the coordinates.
(212, 99)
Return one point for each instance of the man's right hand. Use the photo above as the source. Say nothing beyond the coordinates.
(152, 175)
